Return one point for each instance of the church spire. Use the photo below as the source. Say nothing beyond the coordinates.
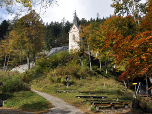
(75, 20)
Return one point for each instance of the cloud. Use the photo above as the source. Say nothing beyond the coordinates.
(65, 9)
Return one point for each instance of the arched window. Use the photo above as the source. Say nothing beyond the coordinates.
(73, 37)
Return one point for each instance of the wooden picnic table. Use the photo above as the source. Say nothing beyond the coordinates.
(91, 92)
(86, 97)
(106, 103)
(66, 90)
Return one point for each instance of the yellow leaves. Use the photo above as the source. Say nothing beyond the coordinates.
(137, 63)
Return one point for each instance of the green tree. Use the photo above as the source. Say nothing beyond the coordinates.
(29, 28)
(3, 29)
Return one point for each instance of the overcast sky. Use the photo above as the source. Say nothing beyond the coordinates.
(65, 9)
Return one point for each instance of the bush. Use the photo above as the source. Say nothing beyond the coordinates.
(58, 80)
(50, 78)
(42, 65)
(93, 109)
(26, 76)
(63, 81)
(54, 61)
(12, 85)
(85, 72)
(67, 70)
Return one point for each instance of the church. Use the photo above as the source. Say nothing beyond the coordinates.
(73, 38)
(74, 34)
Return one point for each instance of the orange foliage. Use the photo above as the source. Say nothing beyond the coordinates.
(147, 20)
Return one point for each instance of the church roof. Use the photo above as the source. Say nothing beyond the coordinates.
(75, 20)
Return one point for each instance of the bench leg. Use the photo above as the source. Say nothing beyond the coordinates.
(112, 107)
(126, 106)
(97, 108)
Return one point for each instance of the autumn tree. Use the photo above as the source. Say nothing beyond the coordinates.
(5, 50)
(29, 4)
(30, 34)
(129, 7)
(147, 20)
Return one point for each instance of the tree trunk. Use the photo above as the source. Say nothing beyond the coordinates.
(34, 58)
(28, 56)
(8, 61)
(4, 63)
(100, 66)
(21, 56)
(146, 86)
(34, 62)
(106, 68)
(89, 56)
(125, 85)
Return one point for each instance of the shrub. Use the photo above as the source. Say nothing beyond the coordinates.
(28, 75)
(58, 80)
(67, 70)
(93, 109)
(42, 65)
(54, 61)
(12, 85)
(63, 81)
(50, 78)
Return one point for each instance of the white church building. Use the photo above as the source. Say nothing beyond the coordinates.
(74, 34)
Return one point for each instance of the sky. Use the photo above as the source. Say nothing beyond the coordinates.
(65, 9)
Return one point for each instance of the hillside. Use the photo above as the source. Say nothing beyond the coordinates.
(50, 75)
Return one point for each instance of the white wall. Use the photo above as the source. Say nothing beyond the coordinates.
(73, 43)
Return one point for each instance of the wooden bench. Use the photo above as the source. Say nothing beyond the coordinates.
(106, 103)
(91, 92)
(87, 97)
(66, 90)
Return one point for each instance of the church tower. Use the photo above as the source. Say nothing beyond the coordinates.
(74, 34)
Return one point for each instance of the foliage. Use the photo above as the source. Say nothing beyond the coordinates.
(129, 7)
(29, 4)
(3, 29)
(56, 34)
(54, 61)
(147, 22)
(27, 76)
(13, 85)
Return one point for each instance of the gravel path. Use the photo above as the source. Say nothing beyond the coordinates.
(60, 107)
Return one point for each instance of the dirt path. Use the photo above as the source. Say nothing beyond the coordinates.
(60, 107)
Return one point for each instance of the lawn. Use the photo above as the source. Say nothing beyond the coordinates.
(26, 101)
(112, 89)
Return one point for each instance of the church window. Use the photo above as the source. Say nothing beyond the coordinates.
(73, 37)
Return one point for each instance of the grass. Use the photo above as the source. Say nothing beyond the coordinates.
(113, 89)
(26, 101)
(81, 78)
(17, 96)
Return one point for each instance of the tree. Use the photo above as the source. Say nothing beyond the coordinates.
(57, 34)
(3, 29)
(29, 4)
(85, 34)
(30, 34)
(5, 50)
(147, 20)
(129, 7)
